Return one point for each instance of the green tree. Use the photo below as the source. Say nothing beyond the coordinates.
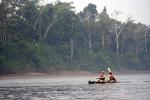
(105, 24)
(89, 16)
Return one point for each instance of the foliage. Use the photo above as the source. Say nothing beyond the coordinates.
(53, 37)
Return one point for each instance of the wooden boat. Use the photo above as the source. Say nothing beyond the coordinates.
(98, 82)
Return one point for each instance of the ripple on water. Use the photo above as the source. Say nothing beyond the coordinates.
(76, 89)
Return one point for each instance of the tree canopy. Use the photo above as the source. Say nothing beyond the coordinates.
(53, 37)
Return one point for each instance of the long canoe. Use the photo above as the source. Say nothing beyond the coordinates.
(97, 82)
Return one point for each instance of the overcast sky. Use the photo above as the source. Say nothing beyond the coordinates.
(138, 9)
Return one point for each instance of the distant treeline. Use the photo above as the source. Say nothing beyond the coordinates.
(53, 37)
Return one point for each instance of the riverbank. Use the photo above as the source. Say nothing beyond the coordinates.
(46, 75)
(64, 74)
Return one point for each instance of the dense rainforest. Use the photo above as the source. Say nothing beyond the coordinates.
(54, 37)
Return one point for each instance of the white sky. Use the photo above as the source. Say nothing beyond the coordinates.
(138, 9)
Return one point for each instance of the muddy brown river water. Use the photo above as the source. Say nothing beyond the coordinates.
(130, 87)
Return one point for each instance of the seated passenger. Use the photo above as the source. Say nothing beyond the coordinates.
(111, 77)
(102, 77)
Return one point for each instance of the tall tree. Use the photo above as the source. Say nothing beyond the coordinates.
(89, 16)
(27, 14)
(105, 24)
(7, 13)
(118, 30)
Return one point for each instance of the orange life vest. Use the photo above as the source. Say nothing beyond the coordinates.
(111, 76)
(102, 76)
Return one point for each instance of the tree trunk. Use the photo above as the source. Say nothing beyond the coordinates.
(145, 41)
(122, 47)
(117, 39)
(137, 49)
(103, 40)
(109, 43)
(71, 54)
(117, 45)
(90, 44)
(132, 51)
(50, 26)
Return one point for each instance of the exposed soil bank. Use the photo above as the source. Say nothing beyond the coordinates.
(63, 74)
(44, 75)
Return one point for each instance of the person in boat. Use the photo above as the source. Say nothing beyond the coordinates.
(102, 77)
(111, 76)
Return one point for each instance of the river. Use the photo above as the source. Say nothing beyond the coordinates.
(130, 87)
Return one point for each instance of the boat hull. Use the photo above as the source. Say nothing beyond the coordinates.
(97, 82)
